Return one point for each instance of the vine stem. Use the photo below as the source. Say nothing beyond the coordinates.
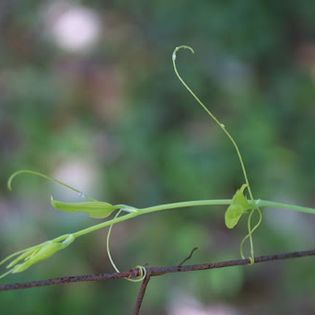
(169, 206)
(186, 204)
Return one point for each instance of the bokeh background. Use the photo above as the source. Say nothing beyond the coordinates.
(88, 95)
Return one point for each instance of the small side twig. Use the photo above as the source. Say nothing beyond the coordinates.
(189, 256)
(141, 293)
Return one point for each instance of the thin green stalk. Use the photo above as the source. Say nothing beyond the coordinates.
(109, 254)
(142, 269)
(213, 117)
(49, 178)
(227, 133)
(281, 205)
(185, 204)
(37, 253)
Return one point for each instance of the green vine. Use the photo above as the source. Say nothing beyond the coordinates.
(251, 229)
(237, 206)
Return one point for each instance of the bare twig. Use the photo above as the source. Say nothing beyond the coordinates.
(189, 256)
(153, 271)
(141, 293)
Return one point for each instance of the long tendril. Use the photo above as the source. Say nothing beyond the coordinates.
(49, 178)
(142, 269)
(227, 133)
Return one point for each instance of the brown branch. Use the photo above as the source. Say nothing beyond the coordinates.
(141, 293)
(153, 271)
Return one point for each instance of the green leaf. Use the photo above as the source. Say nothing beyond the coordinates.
(95, 209)
(39, 253)
(49, 249)
(237, 208)
(20, 258)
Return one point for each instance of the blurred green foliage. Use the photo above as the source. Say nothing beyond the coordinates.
(116, 114)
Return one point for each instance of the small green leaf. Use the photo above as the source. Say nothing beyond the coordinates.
(19, 258)
(95, 209)
(38, 253)
(49, 249)
(237, 208)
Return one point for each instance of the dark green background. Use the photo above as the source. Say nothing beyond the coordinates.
(117, 113)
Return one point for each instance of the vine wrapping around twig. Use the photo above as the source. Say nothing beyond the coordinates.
(153, 271)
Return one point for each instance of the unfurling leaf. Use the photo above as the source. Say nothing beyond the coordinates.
(44, 252)
(237, 208)
(33, 255)
(95, 209)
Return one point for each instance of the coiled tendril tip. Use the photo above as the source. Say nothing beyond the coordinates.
(179, 48)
